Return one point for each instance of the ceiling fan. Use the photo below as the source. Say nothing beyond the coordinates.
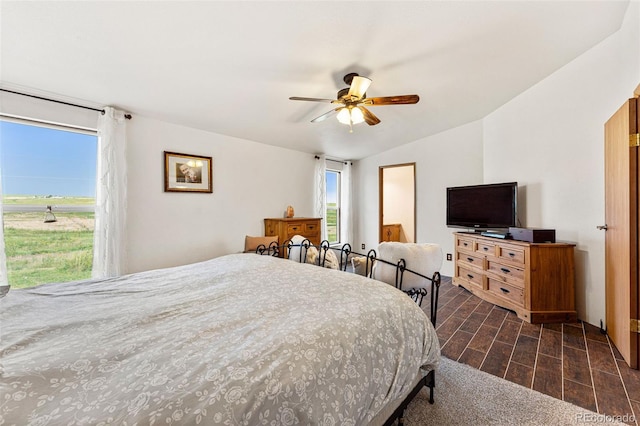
(352, 102)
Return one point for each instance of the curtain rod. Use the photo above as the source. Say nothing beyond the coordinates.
(101, 111)
(331, 159)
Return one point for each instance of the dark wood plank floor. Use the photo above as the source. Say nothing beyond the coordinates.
(573, 362)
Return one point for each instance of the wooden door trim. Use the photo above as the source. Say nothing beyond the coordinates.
(634, 296)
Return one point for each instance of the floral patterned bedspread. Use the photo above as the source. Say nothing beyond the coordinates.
(240, 339)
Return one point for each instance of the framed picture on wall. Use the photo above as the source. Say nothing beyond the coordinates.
(187, 173)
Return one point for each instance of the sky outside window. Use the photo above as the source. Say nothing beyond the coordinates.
(332, 187)
(43, 161)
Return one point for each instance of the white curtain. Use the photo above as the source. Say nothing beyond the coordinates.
(320, 193)
(346, 218)
(111, 196)
(4, 281)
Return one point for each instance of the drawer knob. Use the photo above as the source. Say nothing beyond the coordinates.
(505, 270)
(470, 276)
(485, 248)
(512, 254)
(470, 259)
(504, 290)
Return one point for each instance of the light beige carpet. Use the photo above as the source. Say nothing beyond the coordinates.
(466, 396)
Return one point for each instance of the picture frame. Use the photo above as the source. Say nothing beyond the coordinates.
(187, 173)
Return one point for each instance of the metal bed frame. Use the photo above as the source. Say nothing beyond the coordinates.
(417, 294)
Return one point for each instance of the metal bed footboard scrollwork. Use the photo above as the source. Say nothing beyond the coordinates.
(417, 294)
(343, 255)
(272, 250)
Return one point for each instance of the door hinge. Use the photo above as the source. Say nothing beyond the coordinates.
(634, 140)
(635, 326)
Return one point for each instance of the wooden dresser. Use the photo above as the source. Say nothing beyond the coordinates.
(285, 228)
(391, 232)
(536, 280)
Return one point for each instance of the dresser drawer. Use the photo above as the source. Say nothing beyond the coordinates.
(311, 229)
(465, 244)
(505, 272)
(294, 229)
(474, 277)
(486, 248)
(506, 291)
(471, 260)
(513, 254)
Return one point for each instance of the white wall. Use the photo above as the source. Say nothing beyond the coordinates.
(550, 139)
(251, 181)
(398, 200)
(447, 159)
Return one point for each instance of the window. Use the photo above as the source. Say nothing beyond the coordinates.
(47, 166)
(333, 206)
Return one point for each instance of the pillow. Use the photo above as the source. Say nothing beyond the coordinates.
(294, 253)
(252, 243)
(312, 255)
(330, 258)
(360, 264)
(422, 258)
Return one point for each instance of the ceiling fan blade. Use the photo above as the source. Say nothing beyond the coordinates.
(369, 117)
(326, 115)
(392, 100)
(359, 86)
(298, 98)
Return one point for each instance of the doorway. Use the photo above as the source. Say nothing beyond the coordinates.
(397, 195)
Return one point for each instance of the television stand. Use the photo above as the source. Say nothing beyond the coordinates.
(535, 280)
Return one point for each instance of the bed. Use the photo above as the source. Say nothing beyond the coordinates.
(240, 339)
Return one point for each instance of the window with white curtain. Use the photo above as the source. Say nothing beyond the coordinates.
(333, 199)
(48, 199)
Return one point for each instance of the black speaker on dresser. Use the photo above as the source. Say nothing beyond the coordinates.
(533, 235)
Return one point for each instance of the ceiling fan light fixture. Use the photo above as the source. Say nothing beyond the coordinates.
(350, 116)
(344, 117)
(356, 115)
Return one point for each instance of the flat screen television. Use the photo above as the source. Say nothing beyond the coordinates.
(490, 206)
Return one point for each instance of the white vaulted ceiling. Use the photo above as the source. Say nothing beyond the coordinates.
(229, 67)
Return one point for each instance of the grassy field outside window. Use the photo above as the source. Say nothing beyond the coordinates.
(39, 252)
(332, 223)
